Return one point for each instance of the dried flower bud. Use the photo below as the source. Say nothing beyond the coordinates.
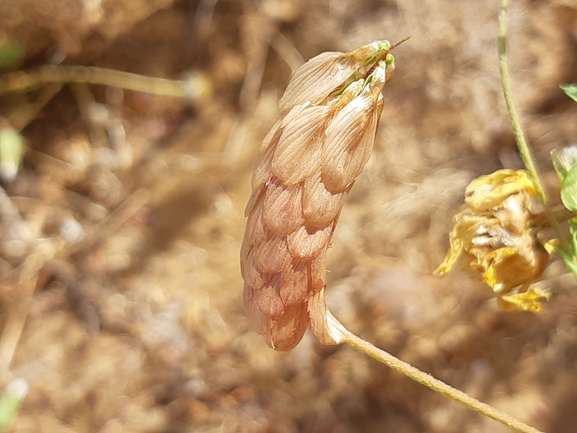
(495, 233)
(308, 163)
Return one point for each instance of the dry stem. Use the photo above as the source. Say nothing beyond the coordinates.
(193, 88)
(432, 383)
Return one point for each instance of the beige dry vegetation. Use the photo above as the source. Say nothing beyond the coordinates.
(140, 328)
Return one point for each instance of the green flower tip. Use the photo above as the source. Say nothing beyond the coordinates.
(564, 160)
(11, 401)
(11, 153)
(570, 90)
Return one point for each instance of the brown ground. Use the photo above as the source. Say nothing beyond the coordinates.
(140, 328)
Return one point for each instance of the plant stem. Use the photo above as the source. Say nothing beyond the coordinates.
(524, 149)
(434, 384)
(560, 212)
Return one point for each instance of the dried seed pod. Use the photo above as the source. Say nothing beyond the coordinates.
(308, 163)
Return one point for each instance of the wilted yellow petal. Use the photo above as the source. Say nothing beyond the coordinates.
(486, 192)
(530, 300)
(514, 214)
(455, 250)
(551, 246)
(496, 234)
(498, 270)
(461, 235)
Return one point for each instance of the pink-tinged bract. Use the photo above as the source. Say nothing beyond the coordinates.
(309, 161)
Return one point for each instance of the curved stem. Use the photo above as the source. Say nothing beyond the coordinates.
(432, 383)
(524, 149)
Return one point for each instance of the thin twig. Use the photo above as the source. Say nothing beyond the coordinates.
(194, 88)
(18, 312)
(113, 221)
(12, 220)
(21, 117)
(434, 384)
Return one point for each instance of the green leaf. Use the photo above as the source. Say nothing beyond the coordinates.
(570, 90)
(569, 259)
(573, 234)
(11, 401)
(569, 252)
(569, 189)
(11, 152)
(11, 54)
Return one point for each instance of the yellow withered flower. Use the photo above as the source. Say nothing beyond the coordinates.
(308, 163)
(496, 235)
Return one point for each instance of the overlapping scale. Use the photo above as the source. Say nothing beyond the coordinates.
(268, 298)
(283, 210)
(286, 331)
(321, 206)
(298, 153)
(349, 142)
(307, 242)
(294, 283)
(272, 256)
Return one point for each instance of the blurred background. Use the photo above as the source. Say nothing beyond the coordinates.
(120, 290)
